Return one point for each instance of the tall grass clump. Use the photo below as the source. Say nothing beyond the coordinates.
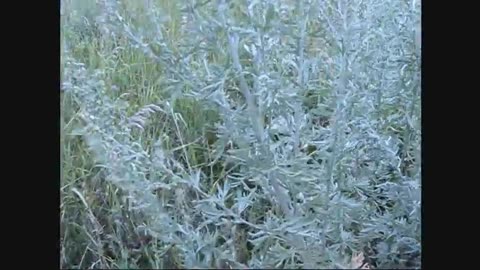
(241, 134)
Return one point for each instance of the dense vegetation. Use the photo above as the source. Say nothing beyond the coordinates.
(240, 134)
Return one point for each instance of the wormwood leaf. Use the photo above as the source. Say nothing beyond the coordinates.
(358, 262)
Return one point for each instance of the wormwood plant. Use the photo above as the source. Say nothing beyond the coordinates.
(314, 154)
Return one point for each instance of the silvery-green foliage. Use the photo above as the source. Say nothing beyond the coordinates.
(359, 191)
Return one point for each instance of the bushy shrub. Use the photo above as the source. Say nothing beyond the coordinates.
(276, 134)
